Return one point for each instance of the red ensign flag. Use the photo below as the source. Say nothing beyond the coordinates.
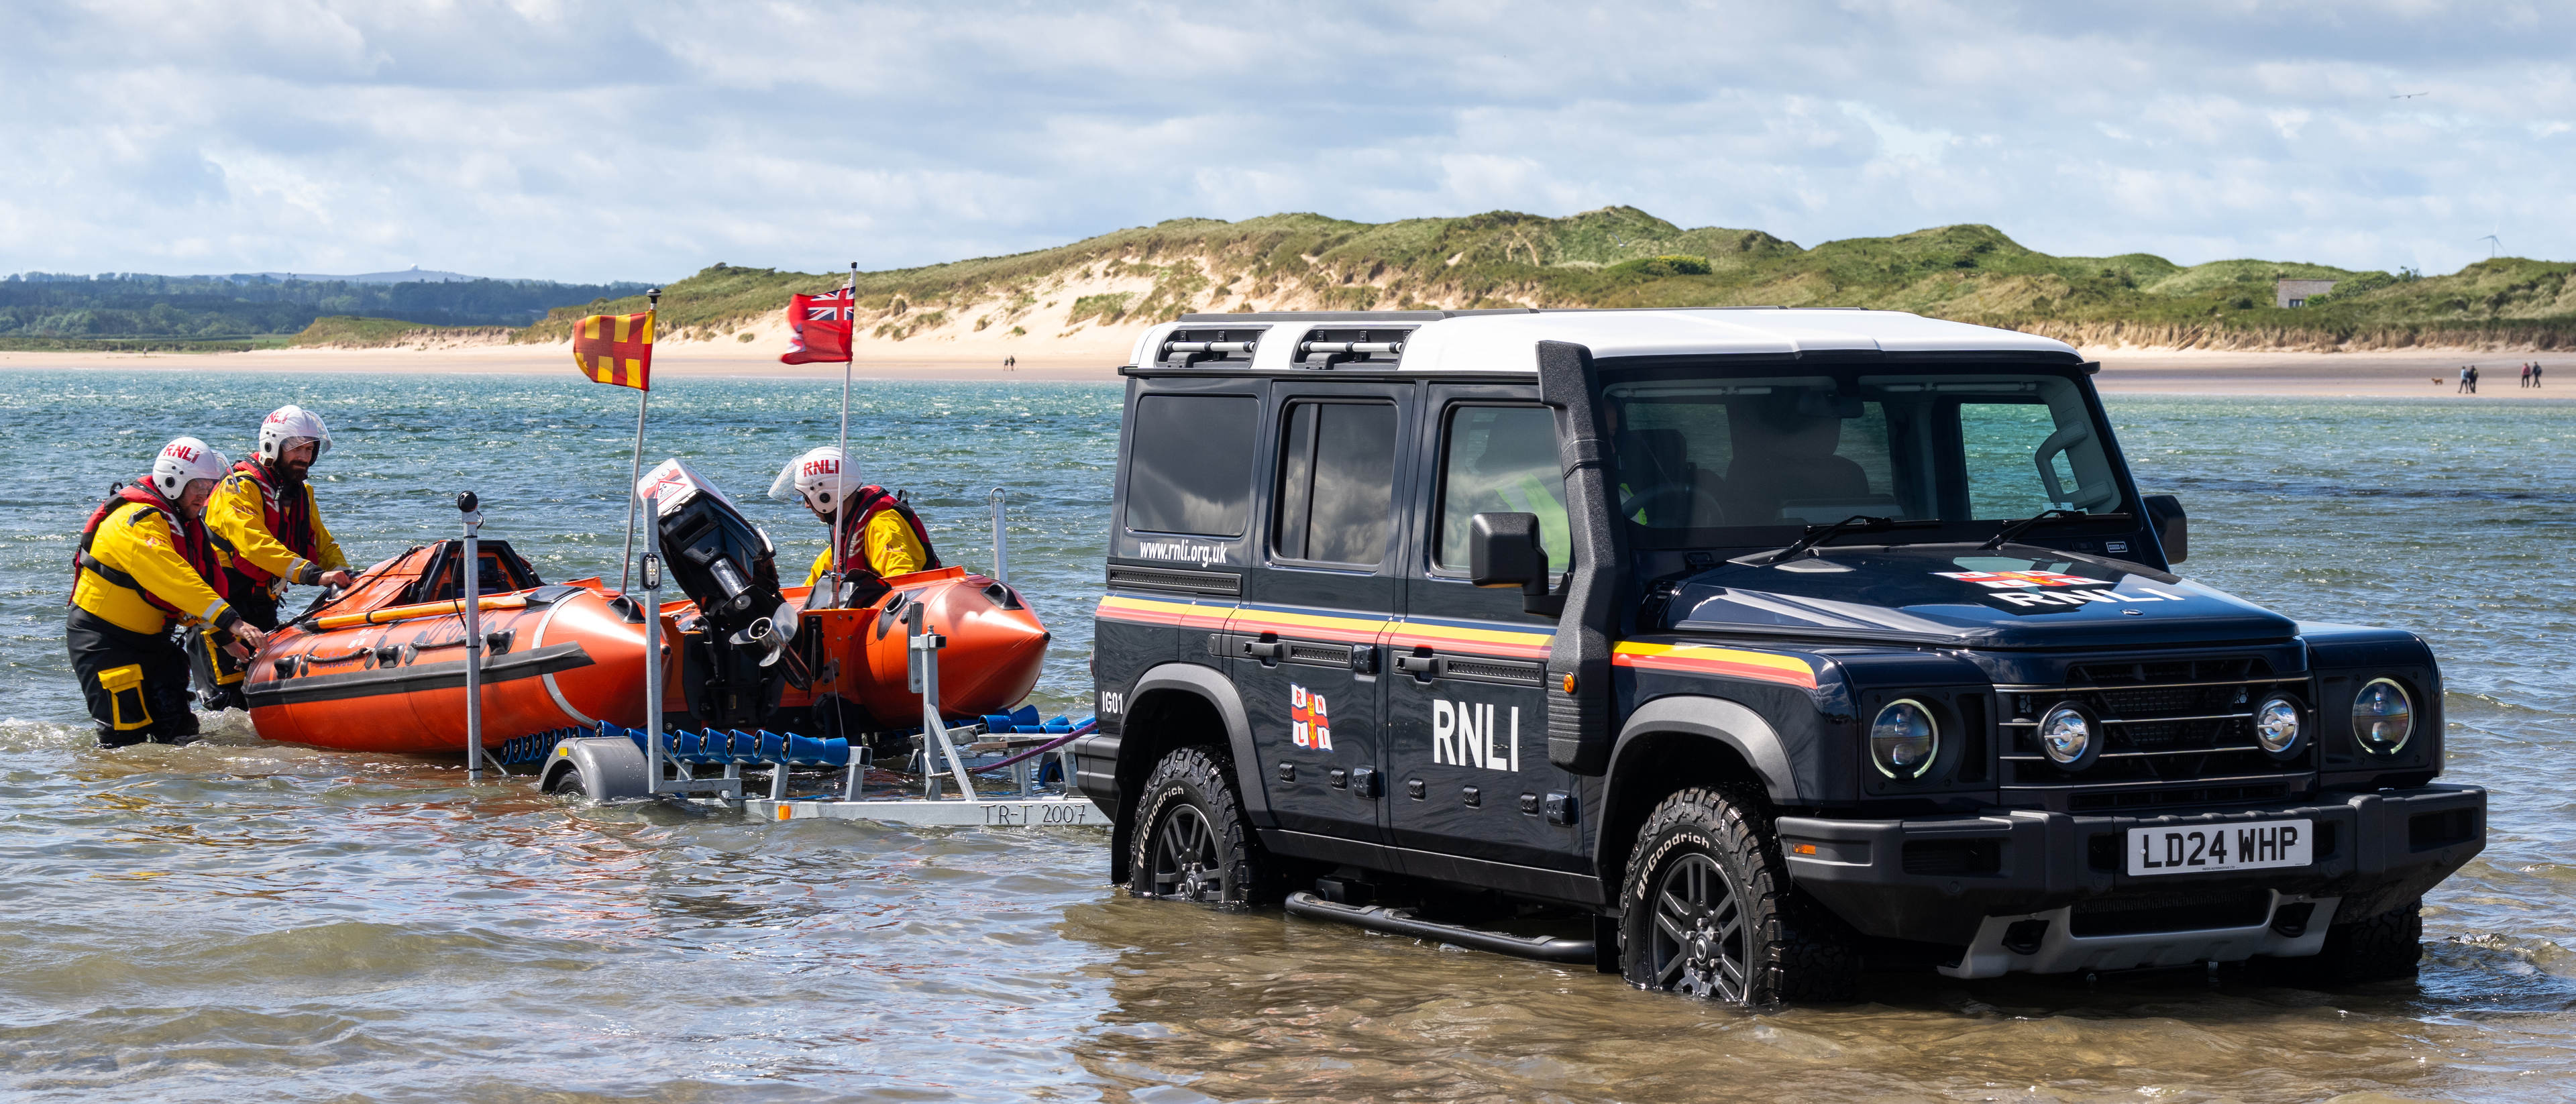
(615, 348)
(818, 328)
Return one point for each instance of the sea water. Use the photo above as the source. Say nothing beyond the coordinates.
(239, 920)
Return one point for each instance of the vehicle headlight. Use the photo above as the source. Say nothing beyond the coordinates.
(2382, 716)
(2276, 727)
(1904, 739)
(2070, 736)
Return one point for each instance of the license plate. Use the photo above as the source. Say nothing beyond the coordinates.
(2213, 848)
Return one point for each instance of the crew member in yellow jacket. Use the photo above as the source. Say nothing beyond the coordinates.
(264, 524)
(880, 535)
(145, 566)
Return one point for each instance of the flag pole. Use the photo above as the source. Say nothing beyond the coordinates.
(840, 505)
(643, 399)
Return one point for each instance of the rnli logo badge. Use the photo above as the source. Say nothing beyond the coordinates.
(2002, 580)
(2051, 591)
(1308, 725)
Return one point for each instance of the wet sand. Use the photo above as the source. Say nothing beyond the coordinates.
(2418, 373)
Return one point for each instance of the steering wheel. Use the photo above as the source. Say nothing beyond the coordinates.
(1702, 503)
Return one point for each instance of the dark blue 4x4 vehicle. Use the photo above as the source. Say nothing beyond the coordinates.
(1779, 642)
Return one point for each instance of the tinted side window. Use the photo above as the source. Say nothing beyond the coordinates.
(1187, 468)
(1336, 482)
(1501, 460)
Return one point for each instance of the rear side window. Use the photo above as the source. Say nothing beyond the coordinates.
(1336, 483)
(1501, 460)
(1188, 470)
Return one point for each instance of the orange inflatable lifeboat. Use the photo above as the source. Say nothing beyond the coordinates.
(995, 648)
(382, 667)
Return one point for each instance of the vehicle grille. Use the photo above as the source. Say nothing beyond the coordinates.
(2177, 732)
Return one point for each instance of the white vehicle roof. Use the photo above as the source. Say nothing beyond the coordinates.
(1508, 342)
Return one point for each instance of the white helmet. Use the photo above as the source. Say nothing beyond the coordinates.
(185, 461)
(821, 477)
(288, 425)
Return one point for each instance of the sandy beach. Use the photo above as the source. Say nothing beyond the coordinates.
(2417, 373)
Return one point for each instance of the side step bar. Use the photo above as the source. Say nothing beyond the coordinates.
(1403, 922)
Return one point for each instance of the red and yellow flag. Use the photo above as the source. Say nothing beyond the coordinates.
(615, 348)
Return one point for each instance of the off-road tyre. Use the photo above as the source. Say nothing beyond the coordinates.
(568, 783)
(1707, 910)
(1193, 842)
(2385, 947)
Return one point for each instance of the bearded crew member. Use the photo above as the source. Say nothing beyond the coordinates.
(880, 535)
(146, 565)
(263, 521)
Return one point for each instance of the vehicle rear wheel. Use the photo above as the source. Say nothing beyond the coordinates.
(2383, 948)
(1708, 911)
(1192, 840)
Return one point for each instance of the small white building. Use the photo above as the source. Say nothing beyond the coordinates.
(2296, 293)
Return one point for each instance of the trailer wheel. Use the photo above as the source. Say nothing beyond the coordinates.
(1193, 842)
(2383, 948)
(566, 781)
(1708, 911)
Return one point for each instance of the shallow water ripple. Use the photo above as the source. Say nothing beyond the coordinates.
(238, 920)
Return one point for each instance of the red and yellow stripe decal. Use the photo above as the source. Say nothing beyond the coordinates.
(1148, 611)
(1308, 626)
(1500, 643)
(1496, 642)
(1708, 659)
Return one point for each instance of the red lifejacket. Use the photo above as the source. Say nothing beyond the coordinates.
(291, 523)
(874, 500)
(189, 533)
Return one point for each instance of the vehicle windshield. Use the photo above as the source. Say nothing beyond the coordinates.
(1704, 459)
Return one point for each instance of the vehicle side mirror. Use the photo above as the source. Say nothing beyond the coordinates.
(1503, 551)
(2173, 527)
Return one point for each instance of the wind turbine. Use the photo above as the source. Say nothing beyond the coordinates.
(2493, 244)
(2409, 95)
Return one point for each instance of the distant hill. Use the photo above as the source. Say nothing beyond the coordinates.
(138, 310)
(1624, 257)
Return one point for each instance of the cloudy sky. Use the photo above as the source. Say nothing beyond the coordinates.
(645, 139)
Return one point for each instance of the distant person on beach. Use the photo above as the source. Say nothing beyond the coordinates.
(2473, 379)
(2535, 373)
(2463, 388)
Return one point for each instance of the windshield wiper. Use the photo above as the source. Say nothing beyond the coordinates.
(2013, 529)
(1857, 523)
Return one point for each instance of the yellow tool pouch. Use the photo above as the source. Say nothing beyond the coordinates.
(124, 685)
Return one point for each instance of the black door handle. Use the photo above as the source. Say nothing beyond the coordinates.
(1263, 649)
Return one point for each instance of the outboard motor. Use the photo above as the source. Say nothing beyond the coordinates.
(728, 567)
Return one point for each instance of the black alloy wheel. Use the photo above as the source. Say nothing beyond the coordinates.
(1708, 911)
(1193, 842)
(1186, 863)
(1697, 946)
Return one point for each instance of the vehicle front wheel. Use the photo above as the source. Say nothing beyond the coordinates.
(2383, 948)
(1192, 840)
(1708, 911)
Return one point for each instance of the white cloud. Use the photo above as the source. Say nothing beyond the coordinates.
(580, 139)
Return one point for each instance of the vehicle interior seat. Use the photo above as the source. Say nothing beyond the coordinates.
(1782, 456)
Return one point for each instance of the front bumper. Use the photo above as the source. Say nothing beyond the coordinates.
(1967, 881)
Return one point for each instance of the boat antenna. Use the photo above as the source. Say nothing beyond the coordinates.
(841, 503)
(635, 473)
